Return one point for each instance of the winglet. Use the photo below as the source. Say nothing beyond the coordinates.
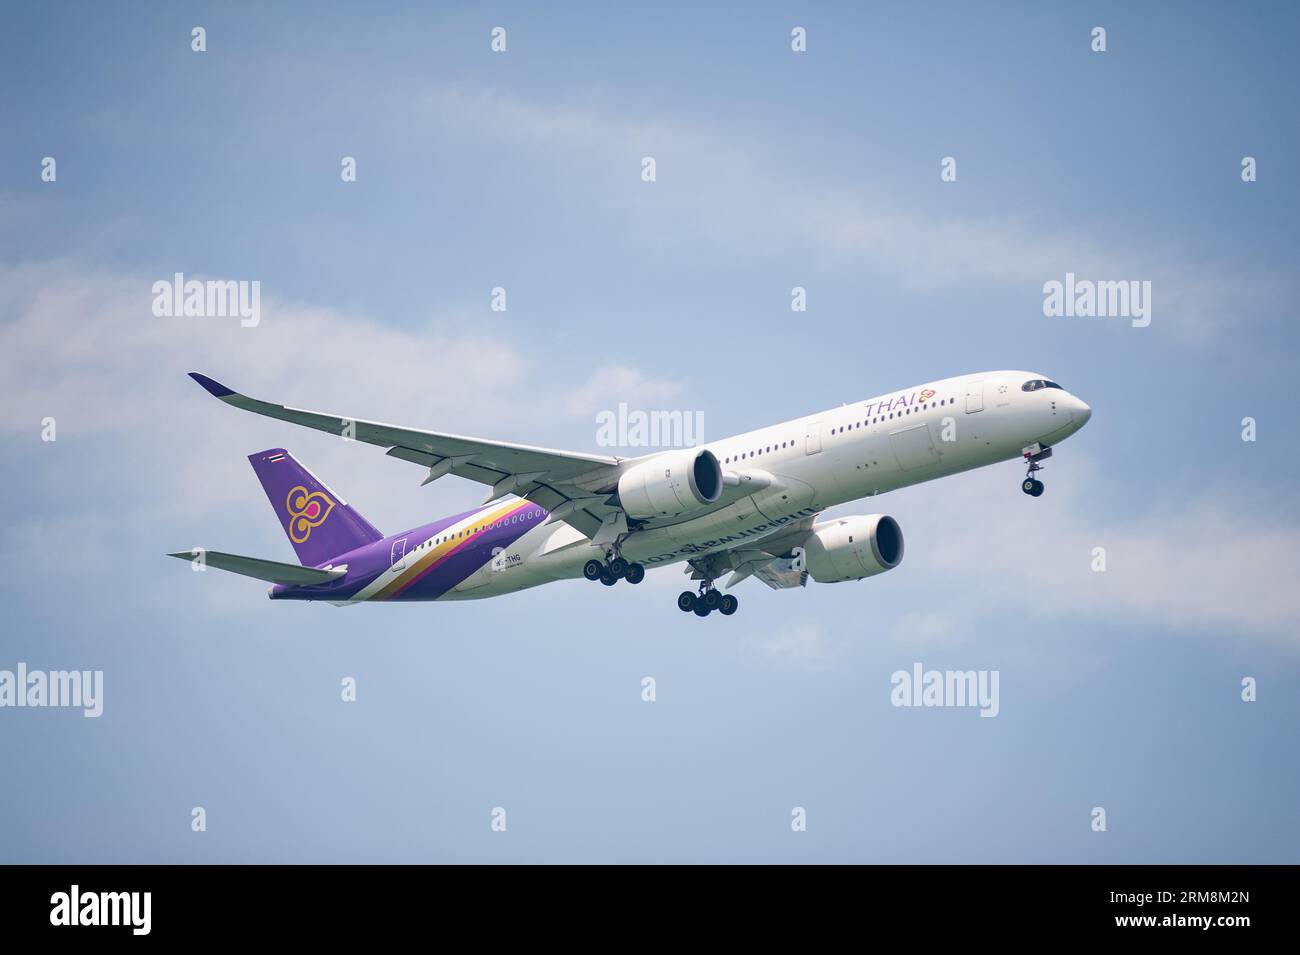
(214, 388)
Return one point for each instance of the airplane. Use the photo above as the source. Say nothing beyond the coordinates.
(747, 505)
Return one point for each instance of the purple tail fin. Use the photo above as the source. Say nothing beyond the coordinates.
(320, 524)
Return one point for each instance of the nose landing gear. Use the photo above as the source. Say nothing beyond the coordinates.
(1033, 454)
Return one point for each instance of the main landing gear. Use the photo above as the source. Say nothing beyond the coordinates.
(1033, 454)
(706, 601)
(613, 570)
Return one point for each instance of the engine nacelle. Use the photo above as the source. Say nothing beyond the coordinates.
(672, 483)
(850, 548)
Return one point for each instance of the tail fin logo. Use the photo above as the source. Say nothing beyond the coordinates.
(307, 510)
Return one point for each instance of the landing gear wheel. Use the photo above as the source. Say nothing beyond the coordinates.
(686, 601)
(728, 605)
(712, 599)
(608, 579)
(592, 569)
(701, 609)
(635, 573)
(1031, 485)
(618, 567)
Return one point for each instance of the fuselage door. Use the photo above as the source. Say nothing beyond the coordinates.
(399, 554)
(813, 438)
(974, 397)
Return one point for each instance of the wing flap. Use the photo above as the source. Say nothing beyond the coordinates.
(779, 574)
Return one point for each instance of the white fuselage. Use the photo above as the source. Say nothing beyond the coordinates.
(809, 464)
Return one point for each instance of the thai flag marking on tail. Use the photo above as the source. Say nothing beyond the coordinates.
(277, 457)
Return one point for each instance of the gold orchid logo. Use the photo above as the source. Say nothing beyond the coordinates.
(307, 510)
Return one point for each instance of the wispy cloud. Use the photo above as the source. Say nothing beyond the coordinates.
(801, 645)
(611, 384)
(729, 187)
(1187, 564)
(921, 627)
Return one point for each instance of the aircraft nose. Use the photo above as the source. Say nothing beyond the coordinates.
(1079, 411)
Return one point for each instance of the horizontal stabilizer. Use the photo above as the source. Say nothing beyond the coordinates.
(269, 570)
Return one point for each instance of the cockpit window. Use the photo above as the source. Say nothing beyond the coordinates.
(1036, 383)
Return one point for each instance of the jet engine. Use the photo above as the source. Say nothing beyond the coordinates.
(850, 548)
(672, 483)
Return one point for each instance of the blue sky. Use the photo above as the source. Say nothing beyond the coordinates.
(774, 170)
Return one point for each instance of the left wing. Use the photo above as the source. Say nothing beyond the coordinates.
(571, 485)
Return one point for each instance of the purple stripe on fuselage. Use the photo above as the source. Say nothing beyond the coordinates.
(519, 512)
(365, 564)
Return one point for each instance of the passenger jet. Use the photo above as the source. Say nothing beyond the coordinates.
(742, 506)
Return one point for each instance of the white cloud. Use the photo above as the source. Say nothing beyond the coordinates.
(1193, 565)
(919, 628)
(801, 645)
(720, 184)
(612, 384)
